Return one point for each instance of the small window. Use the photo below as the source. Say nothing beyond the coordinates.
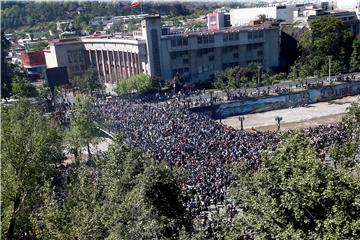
(236, 55)
(225, 37)
(69, 59)
(260, 53)
(200, 69)
(173, 42)
(211, 39)
(261, 34)
(206, 39)
(211, 67)
(250, 35)
(185, 61)
(179, 42)
(199, 40)
(236, 36)
(231, 37)
(211, 58)
(185, 41)
(186, 70)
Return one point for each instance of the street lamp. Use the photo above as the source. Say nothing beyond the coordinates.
(241, 119)
(329, 68)
(259, 68)
(278, 120)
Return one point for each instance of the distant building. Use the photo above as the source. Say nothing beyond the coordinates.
(218, 20)
(242, 16)
(33, 63)
(349, 18)
(157, 51)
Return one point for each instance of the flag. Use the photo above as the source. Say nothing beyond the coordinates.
(135, 3)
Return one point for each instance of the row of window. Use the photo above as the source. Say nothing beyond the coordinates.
(75, 57)
(178, 42)
(230, 65)
(205, 39)
(77, 68)
(255, 34)
(178, 54)
(230, 48)
(231, 36)
(254, 46)
(204, 51)
(205, 68)
(180, 70)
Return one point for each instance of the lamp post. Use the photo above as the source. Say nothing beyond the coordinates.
(329, 68)
(241, 119)
(259, 68)
(278, 120)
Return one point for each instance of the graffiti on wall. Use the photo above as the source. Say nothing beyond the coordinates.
(284, 101)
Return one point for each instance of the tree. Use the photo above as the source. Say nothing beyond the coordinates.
(31, 150)
(125, 196)
(82, 126)
(327, 36)
(140, 83)
(355, 56)
(295, 196)
(23, 87)
(6, 71)
(88, 82)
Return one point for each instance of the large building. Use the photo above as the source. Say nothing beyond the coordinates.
(157, 51)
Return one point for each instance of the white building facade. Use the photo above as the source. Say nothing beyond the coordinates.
(196, 56)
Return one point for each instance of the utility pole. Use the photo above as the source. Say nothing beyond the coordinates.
(329, 68)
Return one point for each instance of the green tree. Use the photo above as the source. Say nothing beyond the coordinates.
(31, 150)
(23, 87)
(296, 196)
(355, 56)
(140, 83)
(6, 70)
(88, 81)
(127, 196)
(82, 126)
(327, 36)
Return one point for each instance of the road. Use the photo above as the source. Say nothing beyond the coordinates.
(294, 118)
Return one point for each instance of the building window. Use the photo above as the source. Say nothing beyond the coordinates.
(211, 39)
(185, 42)
(185, 61)
(261, 34)
(206, 39)
(173, 42)
(260, 53)
(250, 35)
(199, 40)
(236, 55)
(211, 58)
(179, 42)
(69, 58)
(186, 70)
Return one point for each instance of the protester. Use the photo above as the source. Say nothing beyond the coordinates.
(169, 131)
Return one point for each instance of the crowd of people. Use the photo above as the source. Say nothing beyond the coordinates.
(203, 147)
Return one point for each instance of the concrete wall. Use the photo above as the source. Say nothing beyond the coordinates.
(283, 101)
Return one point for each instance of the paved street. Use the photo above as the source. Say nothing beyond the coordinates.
(299, 117)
